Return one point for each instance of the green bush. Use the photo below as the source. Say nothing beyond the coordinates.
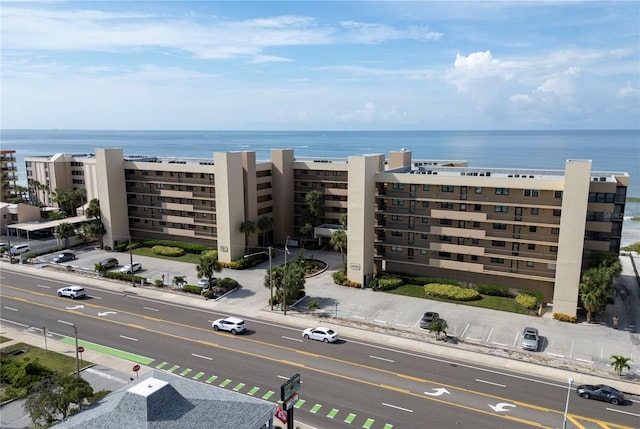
(388, 282)
(455, 293)
(192, 289)
(167, 251)
(527, 301)
(339, 278)
(492, 290)
(538, 295)
(117, 275)
(158, 283)
(210, 294)
(227, 283)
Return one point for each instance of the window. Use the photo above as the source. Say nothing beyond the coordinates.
(531, 193)
(478, 189)
(423, 252)
(497, 260)
(425, 220)
(501, 209)
(474, 257)
(446, 222)
(500, 226)
(424, 236)
(425, 204)
(535, 211)
(555, 230)
(446, 205)
(445, 238)
(533, 228)
(553, 249)
(498, 243)
(398, 186)
(425, 187)
(396, 233)
(557, 212)
(557, 194)
(160, 185)
(532, 246)
(502, 191)
(444, 254)
(447, 188)
(397, 202)
(477, 207)
(396, 217)
(475, 241)
(476, 224)
(530, 264)
(396, 249)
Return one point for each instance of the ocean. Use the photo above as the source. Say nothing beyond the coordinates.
(609, 150)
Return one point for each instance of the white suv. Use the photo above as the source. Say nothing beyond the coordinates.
(72, 292)
(231, 324)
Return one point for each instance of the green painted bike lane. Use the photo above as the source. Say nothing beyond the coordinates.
(108, 351)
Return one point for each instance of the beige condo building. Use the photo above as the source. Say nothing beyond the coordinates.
(527, 229)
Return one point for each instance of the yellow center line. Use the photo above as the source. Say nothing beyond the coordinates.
(301, 365)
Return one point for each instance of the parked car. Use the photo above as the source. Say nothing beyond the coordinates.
(109, 263)
(137, 266)
(530, 339)
(600, 392)
(231, 324)
(64, 257)
(72, 292)
(204, 283)
(320, 333)
(428, 318)
(19, 249)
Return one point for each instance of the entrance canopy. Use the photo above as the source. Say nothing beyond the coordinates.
(38, 229)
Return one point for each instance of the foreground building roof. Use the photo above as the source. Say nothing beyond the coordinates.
(161, 400)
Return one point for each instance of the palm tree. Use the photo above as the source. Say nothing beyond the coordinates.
(305, 232)
(620, 363)
(265, 223)
(247, 227)
(594, 289)
(62, 198)
(179, 281)
(207, 265)
(65, 231)
(339, 242)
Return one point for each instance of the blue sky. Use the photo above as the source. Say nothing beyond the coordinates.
(318, 65)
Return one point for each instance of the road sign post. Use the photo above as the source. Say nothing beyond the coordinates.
(289, 396)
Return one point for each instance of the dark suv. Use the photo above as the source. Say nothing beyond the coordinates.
(109, 263)
(428, 318)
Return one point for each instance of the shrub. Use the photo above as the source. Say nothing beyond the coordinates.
(210, 294)
(339, 277)
(168, 251)
(158, 283)
(527, 301)
(455, 293)
(388, 282)
(565, 317)
(192, 289)
(227, 284)
(492, 290)
(538, 295)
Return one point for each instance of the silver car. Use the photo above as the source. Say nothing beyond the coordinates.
(530, 339)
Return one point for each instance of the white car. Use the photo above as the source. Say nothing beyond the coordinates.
(137, 266)
(72, 292)
(320, 333)
(231, 324)
(204, 282)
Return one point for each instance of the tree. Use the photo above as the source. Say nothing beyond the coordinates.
(247, 227)
(343, 221)
(305, 232)
(313, 201)
(180, 281)
(53, 397)
(595, 288)
(64, 231)
(339, 242)
(93, 210)
(265, 224)
(207, 265)
(437, 327)
(295, 281)
(76, 199)
(63, 199)
(620, 363)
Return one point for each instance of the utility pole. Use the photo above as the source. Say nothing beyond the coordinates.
(133, 278)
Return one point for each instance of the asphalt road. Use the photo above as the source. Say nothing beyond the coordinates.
(387, 385)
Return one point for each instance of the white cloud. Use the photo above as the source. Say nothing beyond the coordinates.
(627, 92)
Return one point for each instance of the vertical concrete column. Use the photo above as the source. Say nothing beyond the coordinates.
(283, 195)
(229, 204)
(571, 239)
(112, 194)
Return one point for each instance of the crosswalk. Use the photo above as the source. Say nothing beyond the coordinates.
(334, 414)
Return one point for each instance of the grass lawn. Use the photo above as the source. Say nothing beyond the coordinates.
(490, 302)
(4, 339)
(56, 361)
(187, 257)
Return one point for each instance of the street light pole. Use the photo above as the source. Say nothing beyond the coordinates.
(566, 407)
(75, 331)
(284, 277)
(270, 271)
(133, 279)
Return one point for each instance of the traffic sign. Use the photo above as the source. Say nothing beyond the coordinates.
(290, 387)
(80, 349)
(136, 368)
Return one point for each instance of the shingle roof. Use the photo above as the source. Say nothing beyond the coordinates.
(161, 400)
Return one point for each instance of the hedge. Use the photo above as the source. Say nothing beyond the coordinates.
(167, 251)
(388, 282)
(455, 293)
(527, 301)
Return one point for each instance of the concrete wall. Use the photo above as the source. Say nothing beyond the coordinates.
(112, 194)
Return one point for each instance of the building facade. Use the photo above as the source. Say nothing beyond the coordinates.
(9, 175)
(526, 229)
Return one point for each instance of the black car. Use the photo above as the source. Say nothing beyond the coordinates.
(428, 318)
(109, 263)
(600, 392)
(64, 257)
